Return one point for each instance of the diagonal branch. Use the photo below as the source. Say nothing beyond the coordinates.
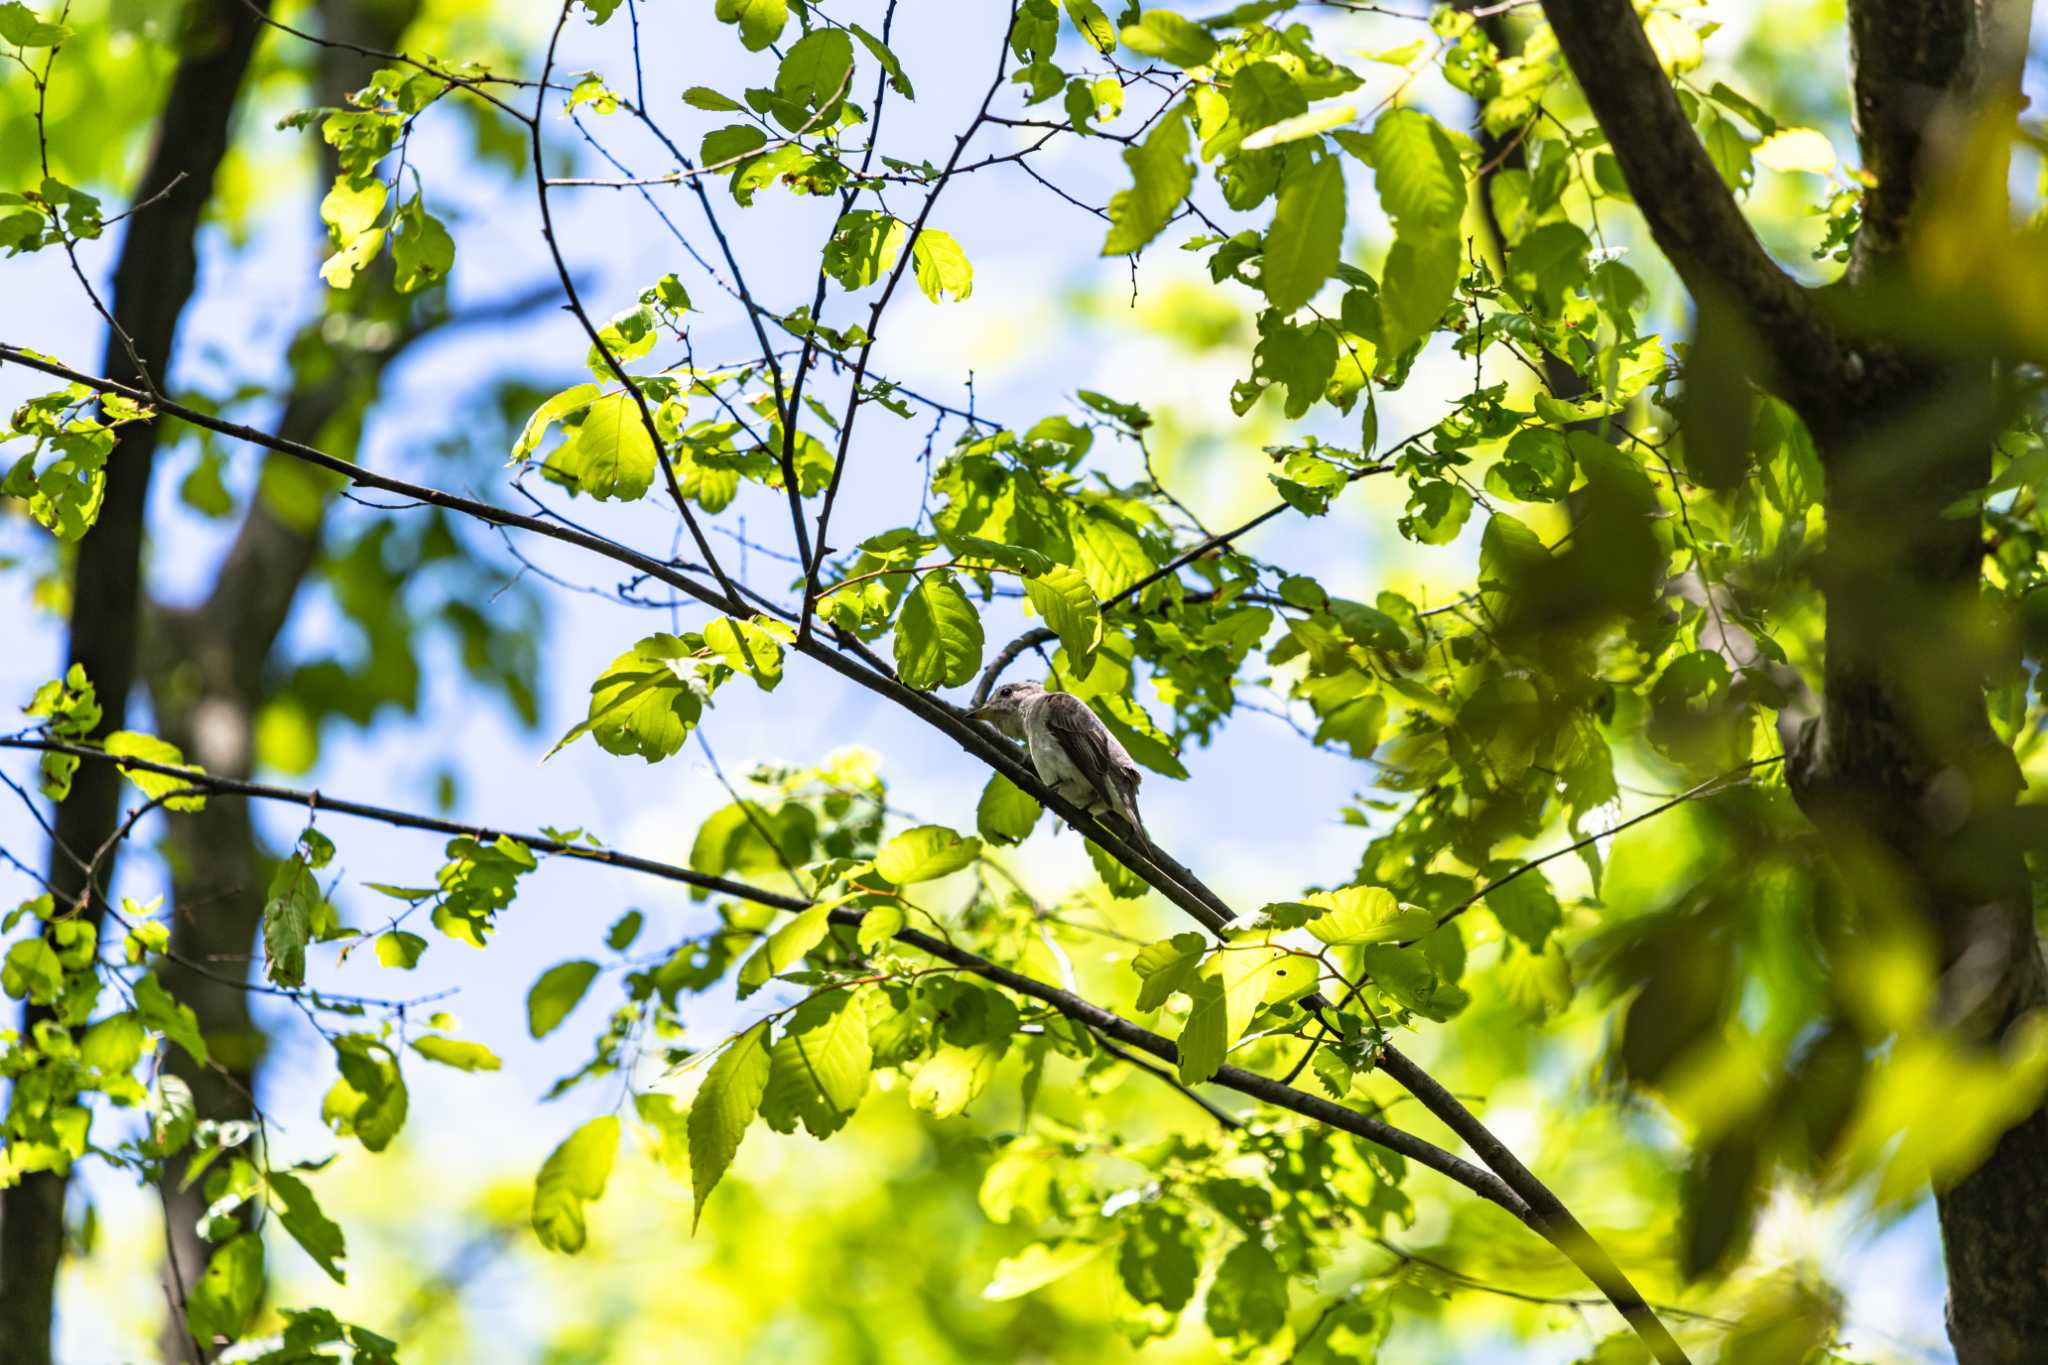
(1102, 1021)
(1158, 870)
(1691, 214)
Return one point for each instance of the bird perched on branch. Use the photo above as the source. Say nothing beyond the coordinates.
(1071, 750)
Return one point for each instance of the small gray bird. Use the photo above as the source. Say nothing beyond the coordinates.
(1071, 750)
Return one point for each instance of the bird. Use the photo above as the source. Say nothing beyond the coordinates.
(1071, 750)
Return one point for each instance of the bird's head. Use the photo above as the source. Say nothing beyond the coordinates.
(1005, 707)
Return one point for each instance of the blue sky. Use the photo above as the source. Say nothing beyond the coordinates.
(1256, 817)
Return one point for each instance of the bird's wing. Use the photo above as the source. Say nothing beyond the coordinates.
(1090, 747)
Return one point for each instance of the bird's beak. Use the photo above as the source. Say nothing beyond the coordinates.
(984, 713)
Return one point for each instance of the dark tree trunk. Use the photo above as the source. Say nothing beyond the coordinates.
(153, 280)
(1897, 763)
(209, 674)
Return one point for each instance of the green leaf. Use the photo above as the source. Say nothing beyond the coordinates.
(818, 1071)
(308, 1224)
(704, 97)
(1527, 909)
(558, 991)
(397, 948)
(953, 1075)
(1307, 232)
(724, 1106)
(32, 971)
(886, 59)
(1248, 1297)
(925, 854)
(1039, 1264)
(784, 948)
(464, 1056)
(20, 27)
(113, 1045)
(880, 924)
(1093, 24)
(1165, 967)
(1161, 174)
(1006, 812)
(760, 21)
(938, 635)
(370, 1099)
(942, 267)
(1062, 596)
(864, 246)
(1169, 37)
(623, 931)
(225, 1298)
(422, 252)
(1365, 914)
(1225, 994)
(172, 1018)
(609, 453)
(1420, 279)
(647, 702)
(129, 744)
(1421, 184)
(816, 69)
(752, 646)
(288, 921)
(573, 1175)
(1160, 1257)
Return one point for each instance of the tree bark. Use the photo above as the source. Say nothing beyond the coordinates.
(1900, 768)
(153, 280)
(209, 674)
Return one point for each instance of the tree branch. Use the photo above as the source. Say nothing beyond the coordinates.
(1093, 1016)
(977, 739)
(1690, 212)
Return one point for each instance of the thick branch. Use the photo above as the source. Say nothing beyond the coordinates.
(1690, 212)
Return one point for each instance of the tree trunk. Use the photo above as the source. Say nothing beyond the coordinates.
(153, 280)
(209, 674)
(1907, 776)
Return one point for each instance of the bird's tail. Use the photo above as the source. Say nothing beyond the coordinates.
(1127, 806)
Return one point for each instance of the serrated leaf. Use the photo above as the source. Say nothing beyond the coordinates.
(1006, 812)
(1365, 914)
(724, 1106)
(1306, 234)
(1062, 596)
(609, 454)
(1171, 38)
(886, 59)
(1421, 184)
(309, 1225)
(938, 635)
(1418, 283)
(225, 1297)
(760, 21)
(1161, 175)
(573, 1176)
(570, 400)
(130, 744)
(818, 1070)
(784, 949)
(924, 854)
(1165, 967)
(1226, 993)
(558, 991)
(942, 267)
